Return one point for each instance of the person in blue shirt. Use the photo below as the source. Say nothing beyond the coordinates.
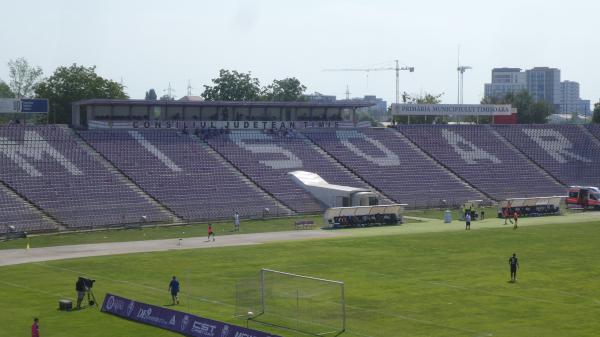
(174, 288)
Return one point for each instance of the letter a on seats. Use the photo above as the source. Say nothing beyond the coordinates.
(468, 151)
(553, 142)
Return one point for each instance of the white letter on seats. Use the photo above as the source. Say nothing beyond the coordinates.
(291, 161)
(390, 158)
(34, 146)
(155, 151)
(471, 155)
(554, 143)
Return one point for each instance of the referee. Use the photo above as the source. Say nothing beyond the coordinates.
(513, 262)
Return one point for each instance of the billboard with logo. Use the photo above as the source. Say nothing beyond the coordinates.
(172, 320)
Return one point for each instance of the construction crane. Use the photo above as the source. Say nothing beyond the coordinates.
(397, 69)
(461, 72)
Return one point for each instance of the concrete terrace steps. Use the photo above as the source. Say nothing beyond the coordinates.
(123, 177)
(441, 166)
(234, 170)
(343, 167)
(31, 206)
(593, 137)
(435, 162)
(514, 148)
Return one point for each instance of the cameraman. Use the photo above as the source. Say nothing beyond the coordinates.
(81, 289)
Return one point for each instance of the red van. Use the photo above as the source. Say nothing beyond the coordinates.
(583, 197)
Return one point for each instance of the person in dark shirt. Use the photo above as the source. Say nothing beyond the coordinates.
(80, 288)
(513, 262)
(174, 289)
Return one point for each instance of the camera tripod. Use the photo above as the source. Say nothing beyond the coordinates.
(91, 298)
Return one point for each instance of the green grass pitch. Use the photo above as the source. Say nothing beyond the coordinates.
(447, 283)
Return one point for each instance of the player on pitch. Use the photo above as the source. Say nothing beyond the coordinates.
(174, 289)
(513, 262)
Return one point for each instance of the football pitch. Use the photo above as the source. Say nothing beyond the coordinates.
(398, 281)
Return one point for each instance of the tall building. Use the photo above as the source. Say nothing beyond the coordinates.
(570, 102)
(543, 84)
(504, 81)
(378, 111)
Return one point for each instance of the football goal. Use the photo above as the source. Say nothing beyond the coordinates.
(306, 304)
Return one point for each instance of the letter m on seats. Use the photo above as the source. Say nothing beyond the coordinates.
(34, 147)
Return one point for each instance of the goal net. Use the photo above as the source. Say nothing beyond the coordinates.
(296, 302)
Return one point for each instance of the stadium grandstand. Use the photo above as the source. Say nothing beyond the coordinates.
(124, 162)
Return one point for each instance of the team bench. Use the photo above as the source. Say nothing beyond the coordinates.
(304, 224)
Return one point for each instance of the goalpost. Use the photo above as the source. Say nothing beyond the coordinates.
(297, 302)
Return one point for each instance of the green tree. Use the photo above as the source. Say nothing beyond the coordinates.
(286, 90)
(232, 86)
(73, 83)
(5, 91)
(596, 115)
(528, 110)
(151, 95)
(23, 77)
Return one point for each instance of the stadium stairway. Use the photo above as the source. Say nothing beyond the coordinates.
(595, 138)
(122, 177)
(514, 148)
(241, 175)
(410, 143)
(33, 208)
(342, 167)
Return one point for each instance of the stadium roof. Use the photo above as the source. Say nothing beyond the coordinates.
(336, 104)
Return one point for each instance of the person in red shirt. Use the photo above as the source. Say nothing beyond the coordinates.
(210, 232)
(516, 218)
(35, 328)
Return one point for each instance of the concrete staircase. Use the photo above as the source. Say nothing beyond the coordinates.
(123, 177)
(385, 199)
(32, 207)
(441, 166)
(514, 148)
(212, 152)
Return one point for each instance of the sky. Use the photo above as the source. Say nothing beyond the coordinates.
(149, 44)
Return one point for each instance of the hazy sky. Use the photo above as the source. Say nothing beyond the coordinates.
(151, 43)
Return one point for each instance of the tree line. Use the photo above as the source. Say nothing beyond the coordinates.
(68, 84)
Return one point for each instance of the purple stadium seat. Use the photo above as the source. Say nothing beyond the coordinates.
(478, 155)
(48, 167)
(17, 213)
(567, 152)
(181, 173)
(267, 158)
(387, 161)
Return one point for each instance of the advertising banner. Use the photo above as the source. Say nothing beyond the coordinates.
(176, 321)
(227, 125)
(24, 105)
(452, 110)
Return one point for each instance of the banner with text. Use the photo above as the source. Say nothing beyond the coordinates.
(176, 321)
(452, 109)
(24, 105)
(229, 125)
